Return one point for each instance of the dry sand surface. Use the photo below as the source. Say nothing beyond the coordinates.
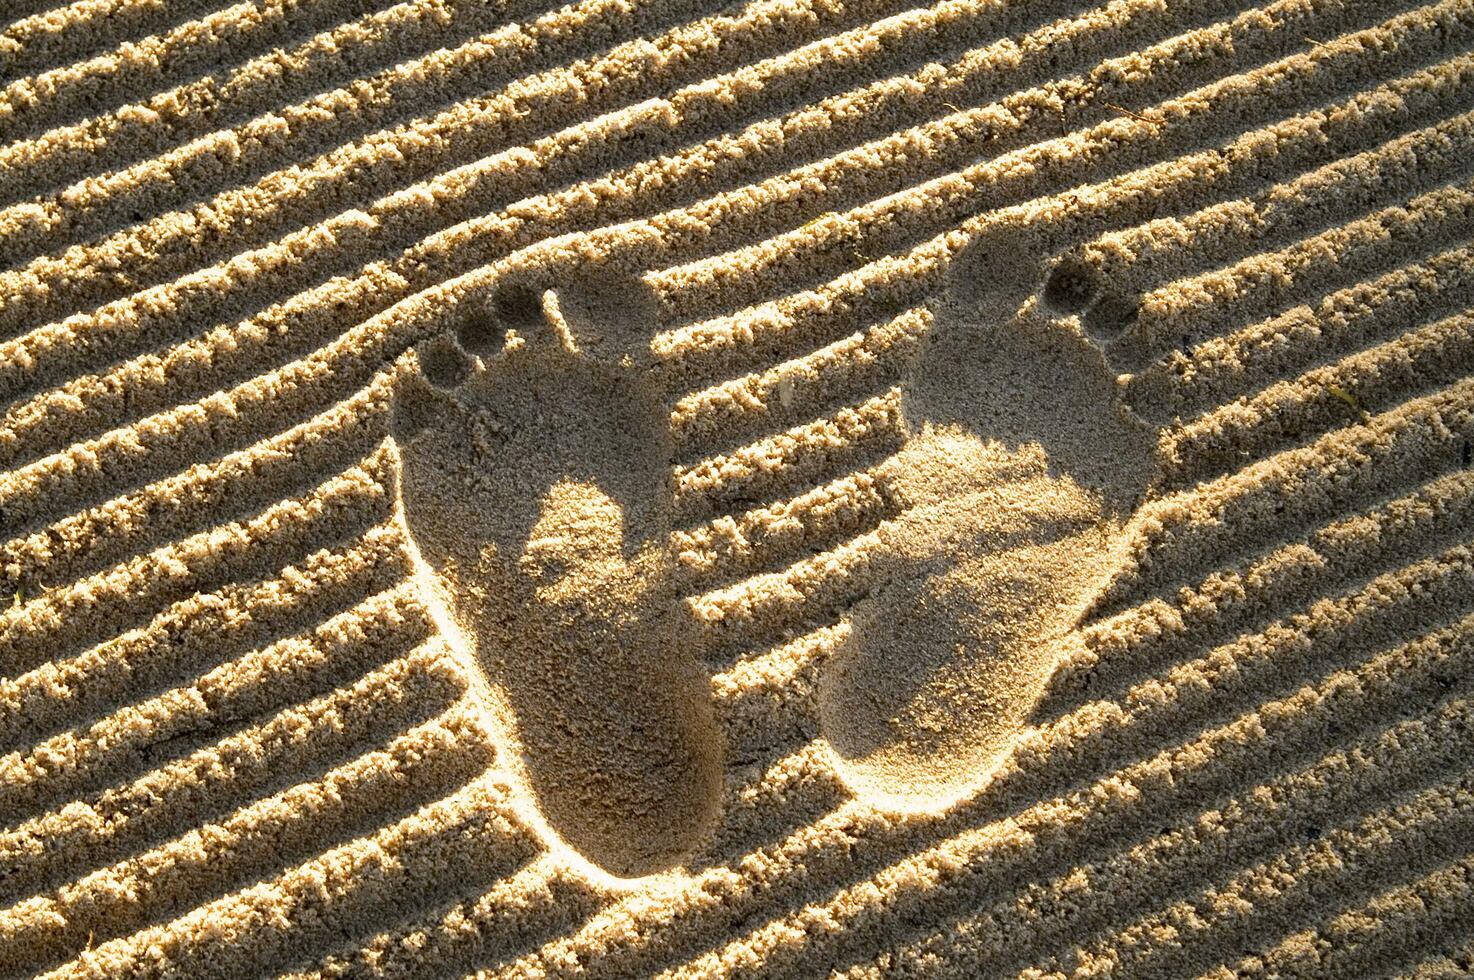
(767, 487)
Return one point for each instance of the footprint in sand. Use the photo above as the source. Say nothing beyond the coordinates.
(535, 461)
(1021, 468)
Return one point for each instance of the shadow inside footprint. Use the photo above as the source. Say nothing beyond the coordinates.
(1021, 467)
(535, 468)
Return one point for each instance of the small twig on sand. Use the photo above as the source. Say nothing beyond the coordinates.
(1134, 115)
(807, 225)
(1349, 400)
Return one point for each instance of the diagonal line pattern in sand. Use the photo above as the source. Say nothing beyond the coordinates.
(233, 741)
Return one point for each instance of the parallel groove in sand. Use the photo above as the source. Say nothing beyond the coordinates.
(288, 760)
(406, 32)
(1178, 775)
(339, 387)
(347, 222)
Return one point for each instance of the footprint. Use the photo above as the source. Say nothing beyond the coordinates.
(535, 484)
(1021, 468)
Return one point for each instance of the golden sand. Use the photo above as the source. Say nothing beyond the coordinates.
(775, 488)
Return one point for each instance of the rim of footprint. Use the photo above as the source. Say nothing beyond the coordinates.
(535, 484)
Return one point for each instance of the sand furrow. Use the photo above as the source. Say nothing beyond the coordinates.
(1309, 140)
(1256, 902)
(153, 383)
(1105, 734)
(282, 82)
(298, 332)
(29, 105)
(1186, 536)
(1235, 599)
(742, 545)
(308, 193)
(1382, 932)
(745, 614)
(1160, 699)
(974, 862)
(1290, 808)
(221, 777)
(213, 427)
(1316, 332)
(773, 795)
(819, 447)
(267, 836)
(1245, 833)
(231, 487)
(317, 239)
(354, 886)
(327, 657)
(833, 579)
(823, 247)
(1427, 596)
(195, 634)
(273, 149)
(20, 10)
(1453, 960)
(768, 699)
(1414, 838)
(77, 614)
(516, 913)
(245, 729)
(1415, 364)
(396, 215)
(75, 31)
(1264, 284)
(1153, 254)
(1203, 843)
(804, 386)
(1425, 668)
(1193, 846)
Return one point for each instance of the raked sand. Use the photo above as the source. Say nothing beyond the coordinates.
(776, 488)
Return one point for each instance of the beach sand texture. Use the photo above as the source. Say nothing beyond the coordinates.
(773, 488)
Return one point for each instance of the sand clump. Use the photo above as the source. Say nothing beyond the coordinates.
(977, 488)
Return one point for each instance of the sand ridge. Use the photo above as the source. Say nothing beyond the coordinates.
(1018, 521)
